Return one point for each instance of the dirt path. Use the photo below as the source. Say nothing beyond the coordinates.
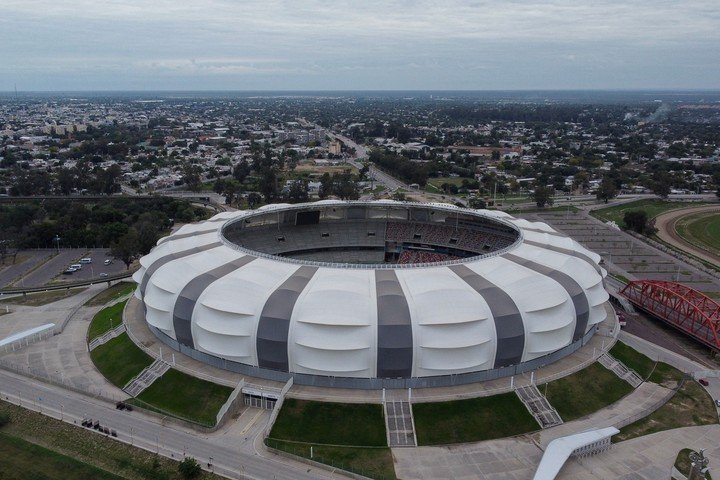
(665, 223)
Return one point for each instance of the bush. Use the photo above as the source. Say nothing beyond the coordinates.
(4, 419)
(189, 468)
(637, 221)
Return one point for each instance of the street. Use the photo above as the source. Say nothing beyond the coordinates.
(147, 432)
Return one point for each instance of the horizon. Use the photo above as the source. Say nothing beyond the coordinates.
(313, 45)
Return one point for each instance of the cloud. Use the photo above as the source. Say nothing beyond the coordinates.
(522, 42)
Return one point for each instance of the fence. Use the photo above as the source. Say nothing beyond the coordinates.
(61, 381)
(231, 401)
(305, 452)
(278, 406)
(43, 334)
(652, 408)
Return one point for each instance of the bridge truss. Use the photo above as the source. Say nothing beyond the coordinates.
(679, 305)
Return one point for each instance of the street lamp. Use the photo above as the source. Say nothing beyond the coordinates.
(57, 242)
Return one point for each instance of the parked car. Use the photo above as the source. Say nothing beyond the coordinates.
(717, 403)
(108, 262)
(69, 271)
(103, 275)
(704, 382)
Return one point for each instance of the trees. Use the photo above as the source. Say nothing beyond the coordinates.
(607, 189)
(126, 248)
(191, 177)
(189, 468)
(661, 184)
(298, 192)
(637, 221)
(543, 196)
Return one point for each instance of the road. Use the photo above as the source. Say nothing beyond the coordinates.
(147, 432)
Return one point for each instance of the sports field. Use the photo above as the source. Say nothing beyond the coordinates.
(701, 229)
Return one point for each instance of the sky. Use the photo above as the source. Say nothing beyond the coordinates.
(48, 45)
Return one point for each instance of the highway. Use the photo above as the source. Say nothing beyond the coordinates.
(147, 432)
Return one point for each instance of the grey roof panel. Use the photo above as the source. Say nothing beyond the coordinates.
(274, 324)
(576, 292)
(567, 251)
(185, 303)
(395, 344)
(150, 270)
(506, 315)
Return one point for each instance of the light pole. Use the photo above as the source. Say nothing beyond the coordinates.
(57, 242)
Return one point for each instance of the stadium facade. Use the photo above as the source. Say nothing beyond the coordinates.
(372, 294)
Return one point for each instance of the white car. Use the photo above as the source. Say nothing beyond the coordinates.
(108, 261)
(103, 275)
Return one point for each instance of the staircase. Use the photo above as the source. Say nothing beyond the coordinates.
(538, 406)
(145, 378)
(619, 369)
(399, 422)
(106, 337)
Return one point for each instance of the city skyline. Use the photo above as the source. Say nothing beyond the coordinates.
(459, 45)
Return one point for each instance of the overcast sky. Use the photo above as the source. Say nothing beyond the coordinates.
(339, 45)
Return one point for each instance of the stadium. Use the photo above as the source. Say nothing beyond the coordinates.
(372, 295)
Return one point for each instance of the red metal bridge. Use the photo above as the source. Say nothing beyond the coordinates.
(679, 305)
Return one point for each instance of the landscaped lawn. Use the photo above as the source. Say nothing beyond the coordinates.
(585, 392)
(119, 360)
(472, 420)
(354, 424)
(118, 290)
(690, 406)
(106, 319)
(60, 451)
(653, 208)
(701, 229)
(374, 463)
(186, 397)
(647, 368)
(23, 460)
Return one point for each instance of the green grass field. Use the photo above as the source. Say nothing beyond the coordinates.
(186, 397)
(690, 406)
(115, 292)
(106, 319)
(374, 463)
(585, 392)
(119, 360)
(90, 455)
(647, 368)
(23, 460)
(702, 230)
(472, 420)
(43, 298)
(352, 424)
(653, 208)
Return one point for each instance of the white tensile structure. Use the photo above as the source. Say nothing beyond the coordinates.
(269, 293)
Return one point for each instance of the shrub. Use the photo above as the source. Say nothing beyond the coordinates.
(189, 468)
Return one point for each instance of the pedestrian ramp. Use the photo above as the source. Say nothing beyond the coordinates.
(399, 424)
(146, 378)
(581, 445)
(106, 337)
(538, 406)
(619, 369)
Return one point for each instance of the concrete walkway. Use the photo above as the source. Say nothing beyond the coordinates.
(650, 457)
(519, 455)
(64, 357)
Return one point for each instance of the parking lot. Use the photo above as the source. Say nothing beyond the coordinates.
(45, 267)
(13, 269)
(629, 255)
